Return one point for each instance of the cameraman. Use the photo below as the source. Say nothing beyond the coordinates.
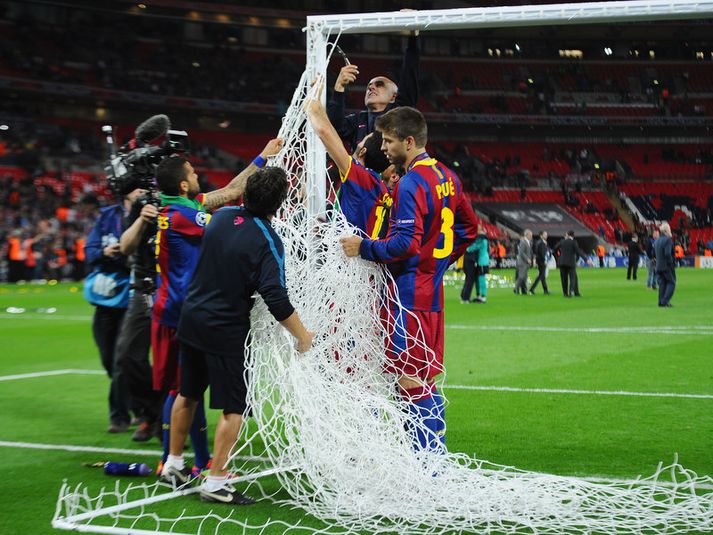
(181, 223)
(107, 288)
(134, 341)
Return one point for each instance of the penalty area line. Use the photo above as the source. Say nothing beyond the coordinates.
(579, 392)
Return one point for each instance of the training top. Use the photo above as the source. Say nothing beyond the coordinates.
(365, 200)
(241, 255)
(432, 224)
(180, 229)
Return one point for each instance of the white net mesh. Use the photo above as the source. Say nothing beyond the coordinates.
(336, 432)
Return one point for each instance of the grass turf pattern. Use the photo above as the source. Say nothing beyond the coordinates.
(540, 342)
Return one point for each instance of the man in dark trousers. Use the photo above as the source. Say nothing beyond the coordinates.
(540, 251)
(665, 266)
(569, 250)
(381, 95)
(634, 253)
(651, 259)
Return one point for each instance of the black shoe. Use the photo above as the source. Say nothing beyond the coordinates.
(547, 293)
(175, 477)
(117, 427)
(567, 295)
(515, 292)
(531, 292)
(225, 494)
(146, 431)
(578, 295)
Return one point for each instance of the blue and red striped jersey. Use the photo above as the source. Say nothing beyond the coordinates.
(178, 242)
(432, 224)
(365, 200)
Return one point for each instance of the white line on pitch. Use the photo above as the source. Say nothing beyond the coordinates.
(39, 316)
(704, 330)
(49, 373)
(580, 392)
(93, 449)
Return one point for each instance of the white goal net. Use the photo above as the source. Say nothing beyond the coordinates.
(330, 425)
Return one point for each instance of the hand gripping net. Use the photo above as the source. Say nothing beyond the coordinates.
(335, 430)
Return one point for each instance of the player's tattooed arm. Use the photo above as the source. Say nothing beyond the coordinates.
(236, 187)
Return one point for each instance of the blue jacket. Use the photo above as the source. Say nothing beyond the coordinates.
(106, 231)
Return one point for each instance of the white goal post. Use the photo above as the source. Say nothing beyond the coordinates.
(321, 27)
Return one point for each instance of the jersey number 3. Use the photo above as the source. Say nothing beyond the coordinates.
(447, 221)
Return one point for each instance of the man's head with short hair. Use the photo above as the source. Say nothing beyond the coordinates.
(370, 155)
(265, 191)
(543, 235)
(380, 92)
(570, 234)
(527, 234)
(665, 229)
(175, 176)
(655, 232)
(405, 134)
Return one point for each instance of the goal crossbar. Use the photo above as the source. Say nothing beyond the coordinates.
(509, 16)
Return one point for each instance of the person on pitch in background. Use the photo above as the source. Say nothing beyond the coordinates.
(432, 224)
(367, 176)
(540, 251)
(665, 266)
(569, 250)
(523, 262)
(634, 250)
(469, 268)
(482, 261)
(651, 259)
(381, 95)
(181, 224)
(241, 254)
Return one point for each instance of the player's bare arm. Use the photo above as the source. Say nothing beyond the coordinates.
(236, 187)
(296, 328)
(131, 238)
(325, 130)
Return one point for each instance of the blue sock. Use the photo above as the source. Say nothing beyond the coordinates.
(425, 436)
(199, 436)
(441, 418)
(166, 423)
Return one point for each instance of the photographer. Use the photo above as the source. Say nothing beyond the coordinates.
(181, 223)
(132, 348)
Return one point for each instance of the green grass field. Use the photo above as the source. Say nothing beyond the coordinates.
(615, 338)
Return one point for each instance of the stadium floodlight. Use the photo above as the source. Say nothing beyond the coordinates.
(333, 432)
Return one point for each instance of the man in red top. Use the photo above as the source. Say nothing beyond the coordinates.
(432, 224)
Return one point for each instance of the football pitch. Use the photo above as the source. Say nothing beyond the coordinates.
(605, 387)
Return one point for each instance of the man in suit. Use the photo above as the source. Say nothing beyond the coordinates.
(523, 262)
(569, 250)
(634, 252)
(665, 267)
(540, 251)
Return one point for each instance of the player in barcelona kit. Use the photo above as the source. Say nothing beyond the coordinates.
(181, 224)
(432, 224)
(367, 177)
